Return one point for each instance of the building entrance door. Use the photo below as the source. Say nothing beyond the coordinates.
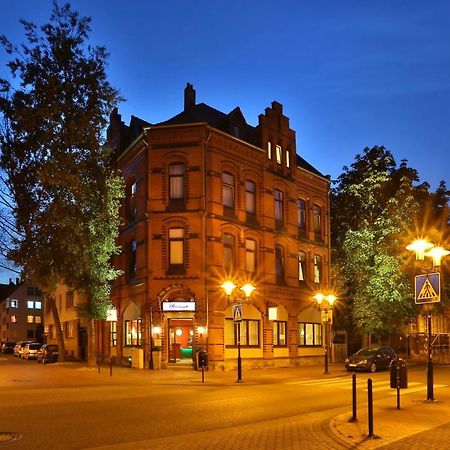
(181, 337)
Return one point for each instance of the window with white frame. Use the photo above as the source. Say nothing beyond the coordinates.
(30, 304)
(310, 334)
(37, 305)
(13, 303)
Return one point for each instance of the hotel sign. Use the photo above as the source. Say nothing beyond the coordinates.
(178, 306)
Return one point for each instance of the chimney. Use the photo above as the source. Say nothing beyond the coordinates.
(189, 97)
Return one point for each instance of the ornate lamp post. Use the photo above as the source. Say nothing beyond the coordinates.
(228, 286)
(326, 303)
(428, 293)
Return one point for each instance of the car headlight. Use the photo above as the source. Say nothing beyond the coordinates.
(363, 361)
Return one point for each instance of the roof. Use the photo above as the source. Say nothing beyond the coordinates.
(6, 290)
(307, 166)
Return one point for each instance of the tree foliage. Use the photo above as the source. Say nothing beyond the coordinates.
(376, 207)
(54, 109)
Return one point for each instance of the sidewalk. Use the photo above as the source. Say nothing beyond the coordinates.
(416, 415)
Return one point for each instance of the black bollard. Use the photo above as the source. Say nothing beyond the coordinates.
(370, 406)
(353, 418)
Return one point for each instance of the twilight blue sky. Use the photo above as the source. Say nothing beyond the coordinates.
(349, 74)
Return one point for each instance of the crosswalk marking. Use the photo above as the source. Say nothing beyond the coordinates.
(361, 384)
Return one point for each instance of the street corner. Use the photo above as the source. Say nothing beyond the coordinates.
(351, 433)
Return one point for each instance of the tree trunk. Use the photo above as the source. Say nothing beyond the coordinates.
(57, 324)
(92, 356)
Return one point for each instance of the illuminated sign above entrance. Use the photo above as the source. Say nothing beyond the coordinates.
(178, 306)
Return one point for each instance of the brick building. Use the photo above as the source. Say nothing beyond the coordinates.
(209, 198)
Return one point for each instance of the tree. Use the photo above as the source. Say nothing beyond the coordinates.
(58, 170)
(375, 210)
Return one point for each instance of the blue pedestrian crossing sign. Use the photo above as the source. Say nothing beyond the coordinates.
(428, 288)
(237, 313)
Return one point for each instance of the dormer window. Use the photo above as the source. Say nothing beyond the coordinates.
(278, 154)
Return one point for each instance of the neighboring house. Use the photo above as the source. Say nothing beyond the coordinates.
(74, 329)
(209, 198)
(21, 316)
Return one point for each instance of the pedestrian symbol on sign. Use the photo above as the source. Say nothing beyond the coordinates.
(237, 313)
(428, 288)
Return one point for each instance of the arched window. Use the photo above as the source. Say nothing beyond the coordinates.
(250, 255)
(176, 184)
(278, 208)
(228, 252)
(176, 251)
(228, 193)
(301, 217)
(317, 222)
(301, 267)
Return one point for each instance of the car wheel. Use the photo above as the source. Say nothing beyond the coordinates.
(372, 367)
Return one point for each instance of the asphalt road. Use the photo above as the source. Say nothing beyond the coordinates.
(69, 406)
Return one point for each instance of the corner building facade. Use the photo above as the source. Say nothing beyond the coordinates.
(211, 198)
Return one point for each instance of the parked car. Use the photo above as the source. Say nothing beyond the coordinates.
(30, 351)
(8, 347)
(19, 348)
(371, 359)
(47, 353)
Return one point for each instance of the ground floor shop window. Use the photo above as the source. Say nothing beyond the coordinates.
(310, 334)
(279, 334)
(133, 335)
(249, 333)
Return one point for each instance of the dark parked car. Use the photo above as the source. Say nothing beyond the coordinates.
(47, 353)
(371, 359)
(8, 347)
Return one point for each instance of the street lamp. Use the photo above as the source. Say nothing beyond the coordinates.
(228, 286)
(422, 248)
(325, 302)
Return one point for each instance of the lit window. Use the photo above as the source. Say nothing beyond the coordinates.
(249, 333)
(288, 158)
(30, 304)
(317, 268)
(13, 319)
(132, 201)
(250, 255)
(269, 149)
(176, 249)
(30, 319)
(279, 334)
(310, 334)
(38, 305)
(37, 319)
(113, 333)
(133, 334)
(70, 329)
(14, 303)
(301, 266)
(278, 154)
